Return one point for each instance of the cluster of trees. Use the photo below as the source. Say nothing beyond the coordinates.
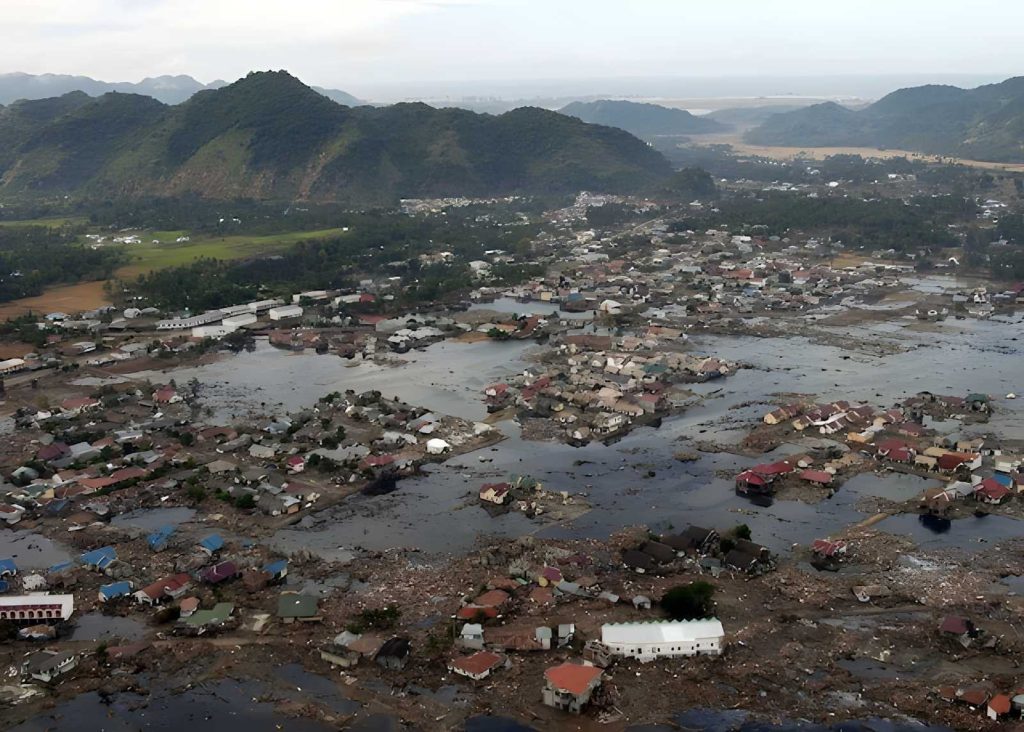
(376, 242)
(35, 257)
(882, 223)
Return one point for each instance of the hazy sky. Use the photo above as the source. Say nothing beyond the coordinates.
(371, 45)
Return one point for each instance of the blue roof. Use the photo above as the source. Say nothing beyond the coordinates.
(277, 567)
(7, 566)
(159, 537)
(100, 558)
(4, 586)
(116, 589)
(1003, 479)
(212, 543)
(60, 567)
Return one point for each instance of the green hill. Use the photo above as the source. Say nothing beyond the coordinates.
(642, 120)
(270, 136)
(986, 123)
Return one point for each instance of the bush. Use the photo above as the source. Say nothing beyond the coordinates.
(196, 493)
(245, 501)
(689, 602)
(741, 531)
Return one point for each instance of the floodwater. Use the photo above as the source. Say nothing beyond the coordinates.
(31, 551)
(548, 309)
(96, 626)
(223, 706)
(449, 377)
(636, 480)
(151, 519)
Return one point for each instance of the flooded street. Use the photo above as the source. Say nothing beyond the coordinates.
(31, 551)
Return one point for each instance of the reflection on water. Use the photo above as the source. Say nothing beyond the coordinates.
(224, 706)
(151, 519)
(635, 480)
(97, 626)
(31, 551)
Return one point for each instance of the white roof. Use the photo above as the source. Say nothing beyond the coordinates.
(667, 631)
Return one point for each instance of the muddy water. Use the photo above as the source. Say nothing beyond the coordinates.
(448, 377)
(31, 551)
(636, 480)
(151, 519)
(224, 706)
(97, 626)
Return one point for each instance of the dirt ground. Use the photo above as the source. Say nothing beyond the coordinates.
(67, 299)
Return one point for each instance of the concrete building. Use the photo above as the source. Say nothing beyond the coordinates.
(36, 608)
(285, 312)
(664, 638)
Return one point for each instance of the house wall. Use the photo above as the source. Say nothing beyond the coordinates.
(708, 646)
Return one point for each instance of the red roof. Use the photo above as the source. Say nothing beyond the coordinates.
(572, 677)
(749, 476)
(492, 598)
(816, 476)
(992, 490)
(954, 624)
(770, 469)
(1000, 704)
(472, 612)
(827, 548)
(477, 664)
(78, 403)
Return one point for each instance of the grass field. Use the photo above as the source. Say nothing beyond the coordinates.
(150, 256)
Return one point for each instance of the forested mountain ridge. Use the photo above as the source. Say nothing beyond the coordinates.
(985, 123)
(270, 136)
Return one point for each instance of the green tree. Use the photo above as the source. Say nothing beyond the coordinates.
(689, 602)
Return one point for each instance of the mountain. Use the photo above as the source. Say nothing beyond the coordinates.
(642, 120)
(747, 117)
(270, 136)
(167, 89)
(985, 123)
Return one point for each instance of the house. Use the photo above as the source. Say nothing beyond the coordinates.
(202, 621)
(8, 568)
(828, 549)
(76, 405)
(292, 606)
(638, 561)
(115, 591)
(750, 482)
(472, 636)
(497, 493)
(570, 686)
(35, 608)
(295, 464)
(168, 588)
(11, 513)
(660, 553)
(46, 666)
(991, 491)
(394, 654)
(99, 559)
(166, 395)
(277, 570)
(998, 706)
(960, 628)
(647, 641)
(211, 544)
(477, 666)
(695, 540)
(159, 539)
(818, 477)
(220, 572)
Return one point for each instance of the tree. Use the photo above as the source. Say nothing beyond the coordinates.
(741, 531)
(245, 501)
(689, 602)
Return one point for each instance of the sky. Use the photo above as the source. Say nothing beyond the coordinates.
(386, 47)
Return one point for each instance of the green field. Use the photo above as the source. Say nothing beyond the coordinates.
(149, 256)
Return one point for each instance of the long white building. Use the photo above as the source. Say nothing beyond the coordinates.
(664, 638)
(36, 608)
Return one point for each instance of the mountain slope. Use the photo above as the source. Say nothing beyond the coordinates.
(983, 123)
(642, 120)
(270, 136)
(166, 89)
